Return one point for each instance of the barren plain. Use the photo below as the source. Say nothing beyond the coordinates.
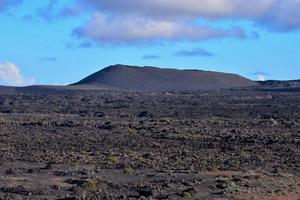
(225, 144)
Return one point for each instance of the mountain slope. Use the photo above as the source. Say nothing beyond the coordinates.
(151, 79)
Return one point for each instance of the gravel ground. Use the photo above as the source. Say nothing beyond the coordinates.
(228, 144)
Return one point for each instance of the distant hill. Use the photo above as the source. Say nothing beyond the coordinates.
(142, 79)
(281, 84)
(153, 79)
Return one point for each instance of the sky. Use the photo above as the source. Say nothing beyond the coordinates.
(59, 42)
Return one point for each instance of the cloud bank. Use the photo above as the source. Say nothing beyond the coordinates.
(275, 14)
(104, 29)
(10, 74)
(136, 21)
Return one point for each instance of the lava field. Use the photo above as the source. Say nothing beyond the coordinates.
(226, 144)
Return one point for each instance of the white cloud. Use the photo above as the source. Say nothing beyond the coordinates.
(272, 14)
(132, 21)
(183, 8)
(261, 77)
(10, 74)
(105, 29)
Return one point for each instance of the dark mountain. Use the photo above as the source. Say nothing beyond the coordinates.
(153, 79)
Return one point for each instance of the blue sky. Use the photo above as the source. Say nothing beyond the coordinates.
(60, 42)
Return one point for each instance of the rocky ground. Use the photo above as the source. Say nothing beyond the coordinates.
(231, 144)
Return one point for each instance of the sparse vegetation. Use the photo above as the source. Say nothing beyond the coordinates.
(231, 187)
(186, 195)
(128, 170)
(186, 142)
(90, 184)
(113, 159)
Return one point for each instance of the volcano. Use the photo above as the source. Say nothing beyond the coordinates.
(154, 79)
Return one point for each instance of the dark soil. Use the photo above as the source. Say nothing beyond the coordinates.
(231, 144)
